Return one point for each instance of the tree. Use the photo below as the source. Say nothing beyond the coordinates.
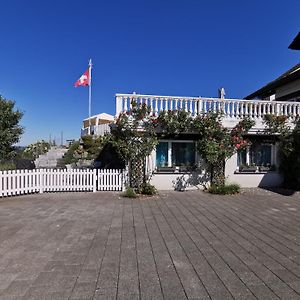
(10, 130)
(289, 148)
(216, 143)
(134, 137)
(33, 151)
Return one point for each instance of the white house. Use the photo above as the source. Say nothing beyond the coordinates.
(170, 163)
(97, 124)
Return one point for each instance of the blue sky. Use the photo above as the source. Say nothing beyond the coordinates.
(166, 47)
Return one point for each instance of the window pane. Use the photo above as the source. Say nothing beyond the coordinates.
(260, 155)
(183, 154)
(162, 154)
(241, 158)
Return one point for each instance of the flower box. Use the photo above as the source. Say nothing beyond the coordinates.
(248, 169)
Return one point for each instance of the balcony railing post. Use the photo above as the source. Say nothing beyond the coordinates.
(199, 106)
(119, 105)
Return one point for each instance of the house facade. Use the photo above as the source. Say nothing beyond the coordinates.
(175, 163)
(97, 125)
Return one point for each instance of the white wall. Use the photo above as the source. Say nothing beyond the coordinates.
(197, 180)
(269, 179)
(172, 181)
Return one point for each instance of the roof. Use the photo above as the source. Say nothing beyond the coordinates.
(102, 116)
(270, 88)
(295, 45)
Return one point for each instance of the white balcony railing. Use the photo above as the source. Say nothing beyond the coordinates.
(232, 109)
(98, 130)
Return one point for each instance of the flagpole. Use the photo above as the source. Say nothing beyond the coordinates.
(90, 94)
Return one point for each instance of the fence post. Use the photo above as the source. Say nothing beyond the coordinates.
(94, 180)
(124, 178)
(41, 180)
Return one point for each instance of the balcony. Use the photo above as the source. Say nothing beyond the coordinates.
(232, 109)
(97, 130)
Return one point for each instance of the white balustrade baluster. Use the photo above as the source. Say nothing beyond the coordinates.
(272, 108)
(161, 108)
(200, 106)
(156, 106)
(188, 105)
(264, 109)
(119, 104)
(219, 106)
(247, 109)
(214, 106)
(151, 105)
(165, 105)
(293, 107)
(125, 104)
(257, 110)
(176, 103)
(234, 105)
(194, 107)
(185, 105)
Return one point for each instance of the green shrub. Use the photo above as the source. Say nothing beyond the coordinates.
(69, 156)
(148, 189)
(227, 189)
(129, 193)
(4, 166)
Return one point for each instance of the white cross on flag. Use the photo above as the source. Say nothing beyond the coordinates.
(84, 79)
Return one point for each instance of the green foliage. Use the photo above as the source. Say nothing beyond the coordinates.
(7, 166)
(89, 148)
(94, 145)
(148, 189)
(289, 148)
(134, 137)
(173, 122)
(33, 151)
(217, 143)
(10, 130)
(134, 134)
(70, 157)
(129, 193)
(226, 189)
(276, 124)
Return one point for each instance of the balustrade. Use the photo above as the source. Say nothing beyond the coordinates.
(230, 108)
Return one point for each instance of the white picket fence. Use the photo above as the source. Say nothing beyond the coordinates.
(19, 182)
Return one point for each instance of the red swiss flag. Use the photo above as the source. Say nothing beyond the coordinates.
(84, 79)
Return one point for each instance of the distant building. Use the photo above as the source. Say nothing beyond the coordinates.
(284, 88)
(97, 125)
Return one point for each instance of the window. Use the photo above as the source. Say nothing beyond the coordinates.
(258, 154)
(175, 153)
(183, 154)
(162, 154)
(242, 158)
